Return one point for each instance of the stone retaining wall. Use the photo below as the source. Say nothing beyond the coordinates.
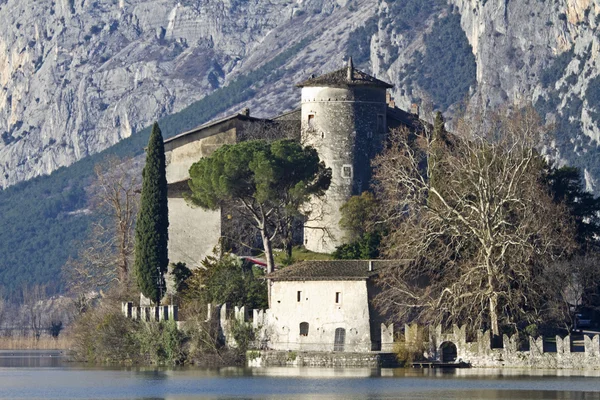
(271, 358)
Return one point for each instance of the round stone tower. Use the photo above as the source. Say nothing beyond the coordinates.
(344, 118)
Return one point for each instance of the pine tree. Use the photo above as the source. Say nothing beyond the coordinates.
(151, 232)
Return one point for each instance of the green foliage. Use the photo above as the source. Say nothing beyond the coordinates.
(227, 280)
(359, 217)
(448, 68)
(161, 342)
(267, 181)
(300, 253)
(105, 335)
(567, 186)
(244, 334)
(152, 227)
(259, 170)
(42, 217)
(365, 247)
(180, 273)
(358, 213)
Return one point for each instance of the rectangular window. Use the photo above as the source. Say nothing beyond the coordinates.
(299, 295)
(311, 121)
(347, 171)
(338, 297)
(380, 124)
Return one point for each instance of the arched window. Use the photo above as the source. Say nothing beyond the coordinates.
(304, 329)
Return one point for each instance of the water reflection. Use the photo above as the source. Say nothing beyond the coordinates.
(39, 375)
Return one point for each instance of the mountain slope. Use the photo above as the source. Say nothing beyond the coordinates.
(78, 77)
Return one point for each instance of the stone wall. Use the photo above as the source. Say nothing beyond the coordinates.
(346, 126)
(319, 359)
(554, 353)
(270, 336)
(148, 313)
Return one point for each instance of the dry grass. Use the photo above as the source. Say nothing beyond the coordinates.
(63, 342)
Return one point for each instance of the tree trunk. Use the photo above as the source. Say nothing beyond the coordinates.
(270, 261)
(494, 314)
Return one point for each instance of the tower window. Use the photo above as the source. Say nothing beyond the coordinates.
(303, 328)
(338, 297)
(311, 121)
(380, 124)
(347, 171)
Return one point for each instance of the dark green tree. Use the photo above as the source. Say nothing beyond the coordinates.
(151, 231)
(566, 186)
(266, 182)
(363, 230)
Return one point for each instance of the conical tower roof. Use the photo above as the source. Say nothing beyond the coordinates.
(345, 77)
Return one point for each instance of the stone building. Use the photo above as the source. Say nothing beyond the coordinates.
(325, 306)
(344, 114)
(194, 232)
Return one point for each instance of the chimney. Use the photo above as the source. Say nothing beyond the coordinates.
(246, 112)
(350, 70)
(390, 100)
(370, 265)
(414, 108)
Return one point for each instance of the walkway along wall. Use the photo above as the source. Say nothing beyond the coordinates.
(553, 353)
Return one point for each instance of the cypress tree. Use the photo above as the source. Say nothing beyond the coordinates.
(151, 231)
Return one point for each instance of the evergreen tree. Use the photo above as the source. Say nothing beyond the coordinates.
(151, 232)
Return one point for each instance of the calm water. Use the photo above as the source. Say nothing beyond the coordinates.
(44, 375)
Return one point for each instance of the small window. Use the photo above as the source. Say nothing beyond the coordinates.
(347, 171)
(304, 329)
(338, 297)
(380, 124)
(299, 295)
(311, 121)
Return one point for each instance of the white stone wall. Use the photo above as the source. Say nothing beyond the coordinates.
(180, 158)
(318, 307)
(193, 232)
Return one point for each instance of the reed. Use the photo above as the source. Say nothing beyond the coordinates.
(63, 342)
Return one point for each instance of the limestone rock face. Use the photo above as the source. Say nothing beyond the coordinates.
(78, 76)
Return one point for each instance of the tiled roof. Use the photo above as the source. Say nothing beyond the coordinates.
(331, 270)
(339, 78)
(213, 123)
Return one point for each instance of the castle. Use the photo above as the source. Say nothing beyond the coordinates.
(345, 115)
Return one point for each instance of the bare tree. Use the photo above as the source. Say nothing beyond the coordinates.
(471, 214)
(106, 256)
(33, 305)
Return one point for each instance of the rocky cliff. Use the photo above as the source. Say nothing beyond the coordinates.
(79, 75)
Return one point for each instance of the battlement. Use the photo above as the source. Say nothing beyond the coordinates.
(150, 313)
(512, 351)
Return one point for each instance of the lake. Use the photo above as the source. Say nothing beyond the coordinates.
(46, 375)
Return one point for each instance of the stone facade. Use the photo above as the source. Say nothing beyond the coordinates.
(344, 117)
(553, 353)
(347, 127)
(266, 358)
(194, 232)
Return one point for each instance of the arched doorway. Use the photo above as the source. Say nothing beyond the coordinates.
(340, 339)
(448, 352)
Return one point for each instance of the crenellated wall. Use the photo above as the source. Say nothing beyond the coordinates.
(553, 353)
